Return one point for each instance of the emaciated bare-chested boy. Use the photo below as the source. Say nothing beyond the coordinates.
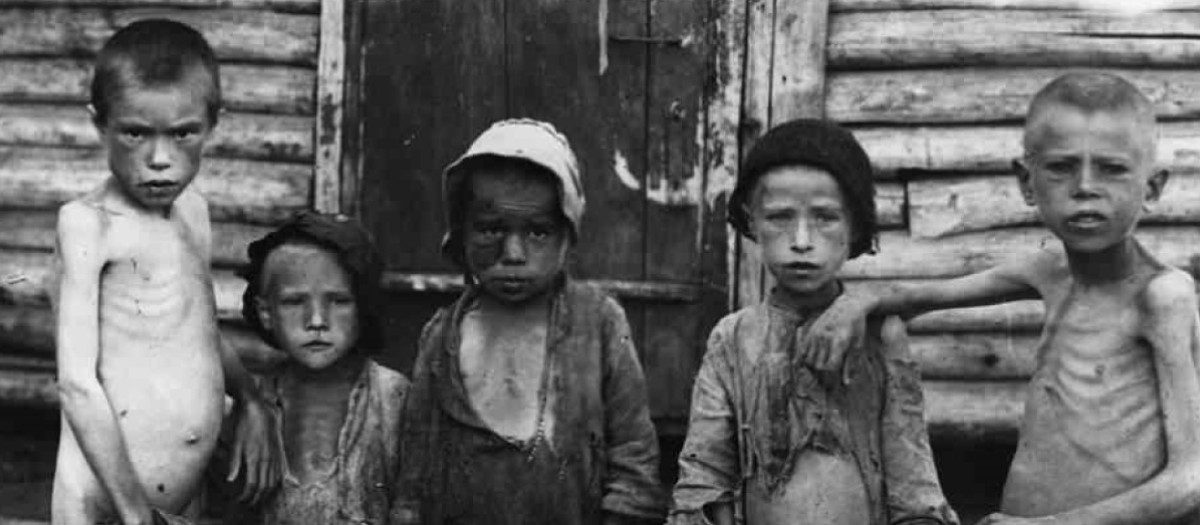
(141, 366)
(1111, 431)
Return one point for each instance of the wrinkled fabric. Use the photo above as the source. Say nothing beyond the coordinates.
(602, 455)
(358, 489)
(754, 410)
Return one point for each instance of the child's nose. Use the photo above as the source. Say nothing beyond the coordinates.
(318, 316)
(514, 249)
(160, 154)
(1085, 183)
(802, 236)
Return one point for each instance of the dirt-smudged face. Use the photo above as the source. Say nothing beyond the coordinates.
(516, 238)
(308, 305)
(1090, 175)
(800, 219)
(154, 137)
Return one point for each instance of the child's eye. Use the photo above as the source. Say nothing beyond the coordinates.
(1060, 167)
(183, 134)
(291, 300)
(828, 218)
(133, 134)
(1113, 169)
(343, 300)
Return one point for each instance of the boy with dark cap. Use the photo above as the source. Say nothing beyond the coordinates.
(528, 403)
(771, 441)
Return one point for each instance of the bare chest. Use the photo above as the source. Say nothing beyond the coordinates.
(313, 418)
(1092, 344)
(503, 369)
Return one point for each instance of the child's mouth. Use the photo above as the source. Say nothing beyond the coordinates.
(1086, 220)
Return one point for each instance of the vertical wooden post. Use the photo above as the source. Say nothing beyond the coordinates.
(331, 73)
(784, 79)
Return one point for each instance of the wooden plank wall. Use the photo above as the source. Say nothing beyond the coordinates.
(258, 169)
(936, 90)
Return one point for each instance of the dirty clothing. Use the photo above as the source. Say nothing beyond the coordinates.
(755, 410)
(601, 457)
(357, 490)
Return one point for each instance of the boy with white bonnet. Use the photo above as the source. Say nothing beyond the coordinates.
(528, 404)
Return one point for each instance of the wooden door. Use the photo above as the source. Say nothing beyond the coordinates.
(624, 81)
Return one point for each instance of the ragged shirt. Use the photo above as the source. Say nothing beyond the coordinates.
(755, 410)
(601, 456)
(358, 489)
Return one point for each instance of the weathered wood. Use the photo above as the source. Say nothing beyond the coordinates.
(237, 190)
(752, 278)
(287, 6)
(331, 76)
(237, 35)
(904, 39)
(1118, 5)
(955, 150)
(28, 388)
(411, 129)
(34, 230)
(974, 410)
(972, 356)
(939, 207)
(259, 88)
(904, 257)
(723, 109)
(973, 95)
(283, 138)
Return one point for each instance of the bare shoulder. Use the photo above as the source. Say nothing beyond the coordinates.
(193, 209)
(81, 224)
(1043, 268)
(391, 382)
(1169, 290)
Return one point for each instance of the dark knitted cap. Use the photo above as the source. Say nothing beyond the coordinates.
(356, 252)
(818, 143)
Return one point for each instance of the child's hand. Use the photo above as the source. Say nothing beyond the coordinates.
(841, 327)
(256, 453)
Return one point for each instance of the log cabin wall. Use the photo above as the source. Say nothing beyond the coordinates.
(936, 91)
(258, 170)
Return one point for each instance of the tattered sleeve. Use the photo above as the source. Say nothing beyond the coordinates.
(708, 464)
(631, 486)
(914, 493)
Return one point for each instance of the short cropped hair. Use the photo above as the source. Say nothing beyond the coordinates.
(153, 52)
(1092, 92)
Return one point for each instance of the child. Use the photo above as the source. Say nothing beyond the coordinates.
(769, 439)
(312, 291)
(528, 403)
(140, 361)
(1111, 432)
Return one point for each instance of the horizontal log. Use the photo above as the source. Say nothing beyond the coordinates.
(902, 256)
(258, 88)
(939, 207)
(34, 230)
(905, 39)
(28, 388)
(970, 409)
(235, 35)
(237, 190)
(286, 6)
(26, 277)
(992, 149)
(28, 332)
(281, 138)
(973, 95)
(971, 356)
(841, 6)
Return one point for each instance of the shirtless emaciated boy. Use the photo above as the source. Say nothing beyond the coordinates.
(141, 367)
(1111, 431)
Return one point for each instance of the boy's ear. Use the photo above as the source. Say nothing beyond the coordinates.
(1155, 184)
(95, 118)
(264, 312)
(1023, 179)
